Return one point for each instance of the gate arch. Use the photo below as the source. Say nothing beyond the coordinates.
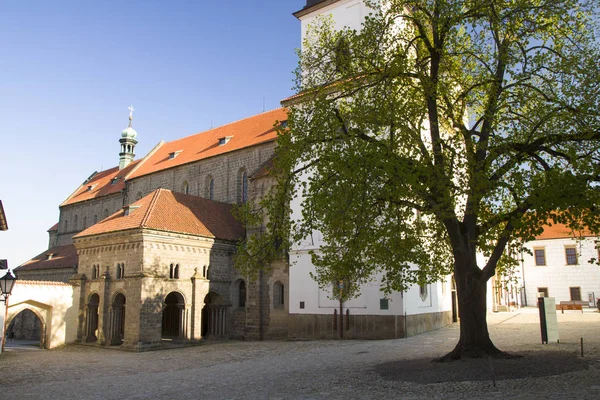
(39, 310)
(116, 320)
(214, 316)
(174, 317)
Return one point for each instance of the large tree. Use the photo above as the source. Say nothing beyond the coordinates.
(441, 131)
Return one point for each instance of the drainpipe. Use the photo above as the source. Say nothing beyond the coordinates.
(523, 276)
(260, 306)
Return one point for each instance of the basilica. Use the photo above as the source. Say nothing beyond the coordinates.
(147, 247)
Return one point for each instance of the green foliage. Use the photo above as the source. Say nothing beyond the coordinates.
(452, 128)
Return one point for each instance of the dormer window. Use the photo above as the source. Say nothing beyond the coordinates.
(49, 256)
(129, 209)
(90, 188)
(174, 154)
(283, 124)
(114, 180)
(224, 140)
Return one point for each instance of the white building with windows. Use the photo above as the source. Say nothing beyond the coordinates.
(372, 315)
(562, 264)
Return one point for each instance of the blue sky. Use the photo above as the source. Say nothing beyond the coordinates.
(70, 69)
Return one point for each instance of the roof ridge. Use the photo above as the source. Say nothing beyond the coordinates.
(151, 207)
(227, 124)
(145, 158)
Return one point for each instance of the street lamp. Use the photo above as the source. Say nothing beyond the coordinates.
(7, 282)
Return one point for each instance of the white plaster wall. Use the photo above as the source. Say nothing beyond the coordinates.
(318, 301)
(557, 276)
(56, 303)
(345, 13)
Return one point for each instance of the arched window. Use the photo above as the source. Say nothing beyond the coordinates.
(278, 295)
(174, 271)
(66, 225)
(423, 291)
(186, 187)
(105, 212)
(120, 271)
(95, 219)
(210, 188)
(84, 222)
(242, 294)
(95, 271)
(75, 222)
(244, 187)
(138, 196)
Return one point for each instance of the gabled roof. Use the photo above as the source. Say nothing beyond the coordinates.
(56, 257)
(264, 169)
(101, 184)
(237, 135)
(164, 210)
(3, 223)
(53, 228)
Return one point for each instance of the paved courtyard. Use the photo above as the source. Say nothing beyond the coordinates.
(390, 369)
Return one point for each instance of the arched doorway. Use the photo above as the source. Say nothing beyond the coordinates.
(214, 316)
(116, 321)
(91, 318)
(26, 327)
(174, 316)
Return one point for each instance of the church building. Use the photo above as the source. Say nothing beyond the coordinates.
(150, 245)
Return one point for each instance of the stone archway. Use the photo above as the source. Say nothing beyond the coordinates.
(28, 314)
(116, 321)
(91, 318)
(214, 316)
(25, 326)
(174, 317)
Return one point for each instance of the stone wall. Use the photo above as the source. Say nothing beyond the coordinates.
(224, 169)
(25, 325)
(76, 217)
(320, 326)
(55, 274)
(203, 266)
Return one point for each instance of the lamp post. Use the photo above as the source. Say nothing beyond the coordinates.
(7, 282)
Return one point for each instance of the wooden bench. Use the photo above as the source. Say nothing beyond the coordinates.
(570, 305)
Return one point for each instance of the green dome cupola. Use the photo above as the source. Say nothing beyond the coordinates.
(128, 143)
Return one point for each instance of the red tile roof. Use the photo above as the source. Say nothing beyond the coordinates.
(101, 184)
(244, 133)
(164, 210)
(53, 227)
(561, 231)
(61, 257)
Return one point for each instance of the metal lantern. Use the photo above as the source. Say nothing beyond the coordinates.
(6, 284)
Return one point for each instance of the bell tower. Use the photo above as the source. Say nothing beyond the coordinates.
(345, 13)
(128, 143)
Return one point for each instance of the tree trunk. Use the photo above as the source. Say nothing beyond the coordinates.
(474, 339)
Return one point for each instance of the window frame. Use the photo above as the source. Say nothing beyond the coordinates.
(574, 249)
(535, 256)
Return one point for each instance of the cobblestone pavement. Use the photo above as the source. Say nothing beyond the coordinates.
(399, 369)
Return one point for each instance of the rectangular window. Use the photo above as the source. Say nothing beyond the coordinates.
(575, 293)
(384, 304)
(543, 291)
(571, 254)
(540, 257)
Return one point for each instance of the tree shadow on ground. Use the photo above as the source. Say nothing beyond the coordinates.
(530, 365)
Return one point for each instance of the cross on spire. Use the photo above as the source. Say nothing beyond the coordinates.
(131, 110)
